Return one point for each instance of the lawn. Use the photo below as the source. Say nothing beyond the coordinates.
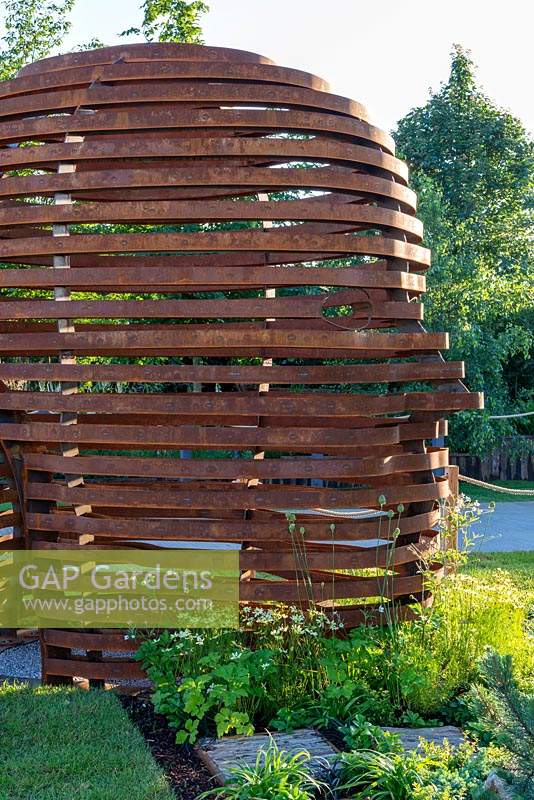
(487, 495)
(58, 743)
(518, 566)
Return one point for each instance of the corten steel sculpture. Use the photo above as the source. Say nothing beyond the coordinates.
(207, 254)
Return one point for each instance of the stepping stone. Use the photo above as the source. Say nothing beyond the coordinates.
(497, 787)
(410, 736)
(221, 754)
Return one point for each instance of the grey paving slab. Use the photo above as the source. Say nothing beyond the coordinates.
(410, 737)
(220, 755)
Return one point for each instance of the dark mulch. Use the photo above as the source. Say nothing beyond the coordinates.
(334, 737)
(186, 773)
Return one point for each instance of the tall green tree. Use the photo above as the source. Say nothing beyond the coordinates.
(33, 28)
(471, 165)
(171, 21)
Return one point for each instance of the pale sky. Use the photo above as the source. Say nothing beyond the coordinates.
(386, 54)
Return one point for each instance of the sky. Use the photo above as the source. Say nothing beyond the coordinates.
(386, 54)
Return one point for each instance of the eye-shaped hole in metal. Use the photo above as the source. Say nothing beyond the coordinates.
(351, 310)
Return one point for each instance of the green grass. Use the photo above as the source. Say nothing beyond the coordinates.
(58, 743)
(518, 567)
(487, 495)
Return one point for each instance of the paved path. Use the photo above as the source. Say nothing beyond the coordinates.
(509, 527)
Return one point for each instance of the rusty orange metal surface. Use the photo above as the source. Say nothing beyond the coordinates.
(212, 313)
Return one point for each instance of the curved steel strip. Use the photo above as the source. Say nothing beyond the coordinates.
(322, 179)
(122, 151)
(237, 374)
(99, 95)
(160, 51)
(193, 275)
(153, 70)
(221, 211)
(189, 120)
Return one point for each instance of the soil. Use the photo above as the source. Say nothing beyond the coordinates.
(187, 775)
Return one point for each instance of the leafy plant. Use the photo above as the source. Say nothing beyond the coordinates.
(368, 775)
(452, 773)
(279, 661)
(424, 664)
(432, 772)
(33, 28)
(363, 735)
(218, 690)
(284, 669)
(275, 775)
(171, 21)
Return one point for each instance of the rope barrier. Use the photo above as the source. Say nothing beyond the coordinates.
(513, 416)
(343, 513)
(503, 489)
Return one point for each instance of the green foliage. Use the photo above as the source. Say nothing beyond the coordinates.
(171, 21)
(432, 772)
(516, 568)
(363, 735)
(368, 775)
(227, 681)
(508, 716)
(279, 669)
(478, 154)
(33, 29)
(284, 670)
(275, 775)
(421, 666)
(452, 773)
(428, 662)
(471, 165)
(92, 44)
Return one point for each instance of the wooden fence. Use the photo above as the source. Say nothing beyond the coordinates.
(514, 460)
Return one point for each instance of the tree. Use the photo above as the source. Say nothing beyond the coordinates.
(33, 29)
(171, 21)
(507, 714)
(471, 165)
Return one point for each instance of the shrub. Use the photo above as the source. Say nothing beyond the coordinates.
(278, 664)
(449, 773)
(507, 714)
(430, 773)
(433, 659)
(282, 670)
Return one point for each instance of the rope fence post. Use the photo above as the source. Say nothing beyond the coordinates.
(453, 474)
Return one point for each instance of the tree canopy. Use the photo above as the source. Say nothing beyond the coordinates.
(36, 28)
(471, 164)
(33, 29)
(171, 21)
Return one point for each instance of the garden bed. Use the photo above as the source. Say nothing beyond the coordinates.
(185, 772)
